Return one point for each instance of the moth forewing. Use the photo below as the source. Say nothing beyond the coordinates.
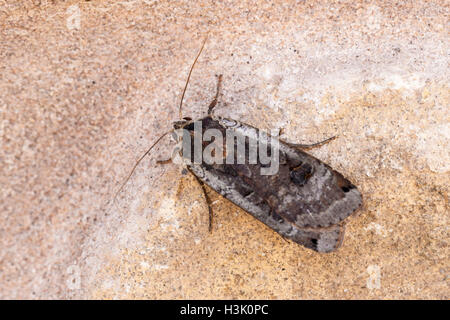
(305, 201)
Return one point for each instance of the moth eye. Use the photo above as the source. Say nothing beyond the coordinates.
(301, 174)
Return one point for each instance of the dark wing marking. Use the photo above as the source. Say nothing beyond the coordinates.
(239, 193)
(305, 191)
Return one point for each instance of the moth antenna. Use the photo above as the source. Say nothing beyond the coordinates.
(189, 75)
(159, 139)
(137, 163)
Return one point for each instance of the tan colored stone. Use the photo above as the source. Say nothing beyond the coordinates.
(86, 87)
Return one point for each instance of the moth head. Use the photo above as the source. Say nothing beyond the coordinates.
(180, 124)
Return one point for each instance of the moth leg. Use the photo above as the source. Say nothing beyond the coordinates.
(214, 102)
(164, 161)
(208, 201)
(284, 238)
(309, 146)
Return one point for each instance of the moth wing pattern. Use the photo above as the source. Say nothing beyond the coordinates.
(320, 239)
(305, 201)
(316, 197)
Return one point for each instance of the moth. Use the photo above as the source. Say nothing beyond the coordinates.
(304, 200)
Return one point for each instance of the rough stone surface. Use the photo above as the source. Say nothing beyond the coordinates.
(86, 87)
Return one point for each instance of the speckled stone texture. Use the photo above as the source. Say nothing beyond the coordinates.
(86, 87)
